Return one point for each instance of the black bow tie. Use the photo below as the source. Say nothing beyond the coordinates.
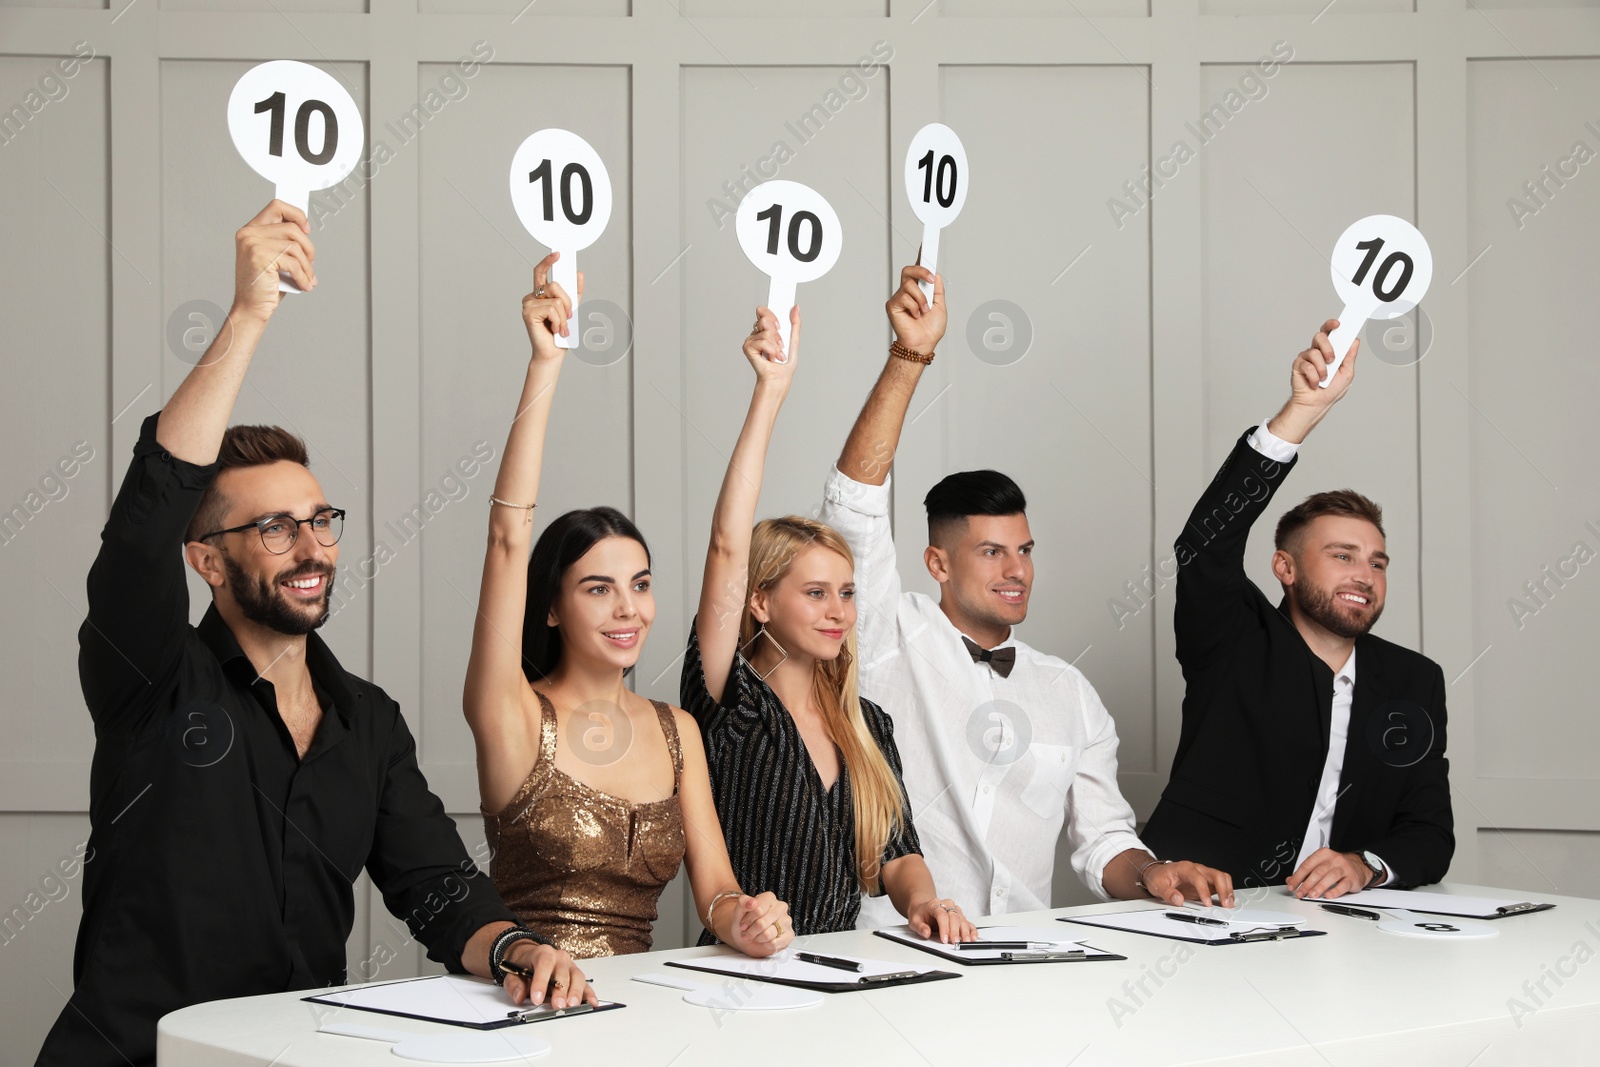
(1001, 659)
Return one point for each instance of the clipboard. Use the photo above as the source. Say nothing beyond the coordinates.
(902, 935)
(1488, 908)
(1152, 922)
(780, 970)
(446, 998)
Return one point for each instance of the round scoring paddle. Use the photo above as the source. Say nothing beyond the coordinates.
(792, 235)
(1381, 268)
(297, 127)
(936, 184)
(1448, 927)
(562, 194)
(458, 1046)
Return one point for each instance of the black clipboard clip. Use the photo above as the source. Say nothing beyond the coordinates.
(1268, 933)
(1517, 909)
(539, 1014)
(1043, 957)
(892, 976)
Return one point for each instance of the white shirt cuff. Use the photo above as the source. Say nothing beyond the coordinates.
(1271, 445)
(842, 491)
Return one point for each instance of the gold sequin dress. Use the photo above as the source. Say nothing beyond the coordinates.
(582, 867)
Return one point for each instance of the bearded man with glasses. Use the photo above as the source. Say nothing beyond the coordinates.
(243, 779)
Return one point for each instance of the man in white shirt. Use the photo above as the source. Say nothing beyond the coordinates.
(1002, 744)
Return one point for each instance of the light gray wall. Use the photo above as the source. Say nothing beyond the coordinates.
(1154, 342)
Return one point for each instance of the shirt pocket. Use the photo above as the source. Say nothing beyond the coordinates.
(1054, 767)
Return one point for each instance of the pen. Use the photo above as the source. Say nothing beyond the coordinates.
(1199, 920)
(985, 946)
(1345, 909)
(828, 961)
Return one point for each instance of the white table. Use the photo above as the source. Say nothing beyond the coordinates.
(1356, 996)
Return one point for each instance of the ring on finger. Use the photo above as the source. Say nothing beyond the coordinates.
(538, 292)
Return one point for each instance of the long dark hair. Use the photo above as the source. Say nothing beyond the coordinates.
(562, 544)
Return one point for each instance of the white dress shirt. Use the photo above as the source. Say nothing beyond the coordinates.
(1320, 829)
(993, 766)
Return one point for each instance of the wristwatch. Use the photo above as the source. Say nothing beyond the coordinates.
(1378, 871)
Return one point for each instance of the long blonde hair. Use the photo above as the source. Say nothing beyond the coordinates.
(879, 807)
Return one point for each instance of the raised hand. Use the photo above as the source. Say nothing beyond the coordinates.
(277, 239)
(1308, 402)
(764, 349)
(547, 310)
(916, 326)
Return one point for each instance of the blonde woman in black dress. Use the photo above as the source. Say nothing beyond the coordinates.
(805, 772)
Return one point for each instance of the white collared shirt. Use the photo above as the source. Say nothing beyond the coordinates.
(1320, 829)
(993, 766)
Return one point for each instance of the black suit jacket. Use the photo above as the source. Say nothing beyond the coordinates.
(1257, 711)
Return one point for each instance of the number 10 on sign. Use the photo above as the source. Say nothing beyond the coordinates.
(936, 184)
(297, 127)
(792, 235)
(1381, 268)
(562, 194)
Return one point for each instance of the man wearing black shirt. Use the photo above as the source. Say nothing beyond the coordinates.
(241, 778)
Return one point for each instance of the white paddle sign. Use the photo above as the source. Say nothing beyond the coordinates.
(936, 184)
(1381, 268)
(298, 127)
(562, 193)
(792, 235)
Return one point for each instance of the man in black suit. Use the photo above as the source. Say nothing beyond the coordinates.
(1257, 789)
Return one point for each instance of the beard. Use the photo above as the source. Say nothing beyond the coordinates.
(1323, 609)
(265, 604)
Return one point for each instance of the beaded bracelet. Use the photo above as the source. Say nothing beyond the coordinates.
(900, 351)
(503, 941)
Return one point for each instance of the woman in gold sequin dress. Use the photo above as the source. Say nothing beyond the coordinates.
(592, 795)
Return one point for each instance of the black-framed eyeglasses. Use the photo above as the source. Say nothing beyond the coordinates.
(279, 532)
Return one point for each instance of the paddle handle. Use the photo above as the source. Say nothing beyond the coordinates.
(371, 1033)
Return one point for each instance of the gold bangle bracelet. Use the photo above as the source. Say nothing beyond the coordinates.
(508, 504)
(711, 909)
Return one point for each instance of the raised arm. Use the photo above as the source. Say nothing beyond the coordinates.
(722, 589)
(194, 420)
(855, 500)
(493, 695)
(1210, 551)
(138, 599)
(870, 448)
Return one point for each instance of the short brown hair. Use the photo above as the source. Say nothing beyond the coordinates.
(244, 446)
(1345, 502)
